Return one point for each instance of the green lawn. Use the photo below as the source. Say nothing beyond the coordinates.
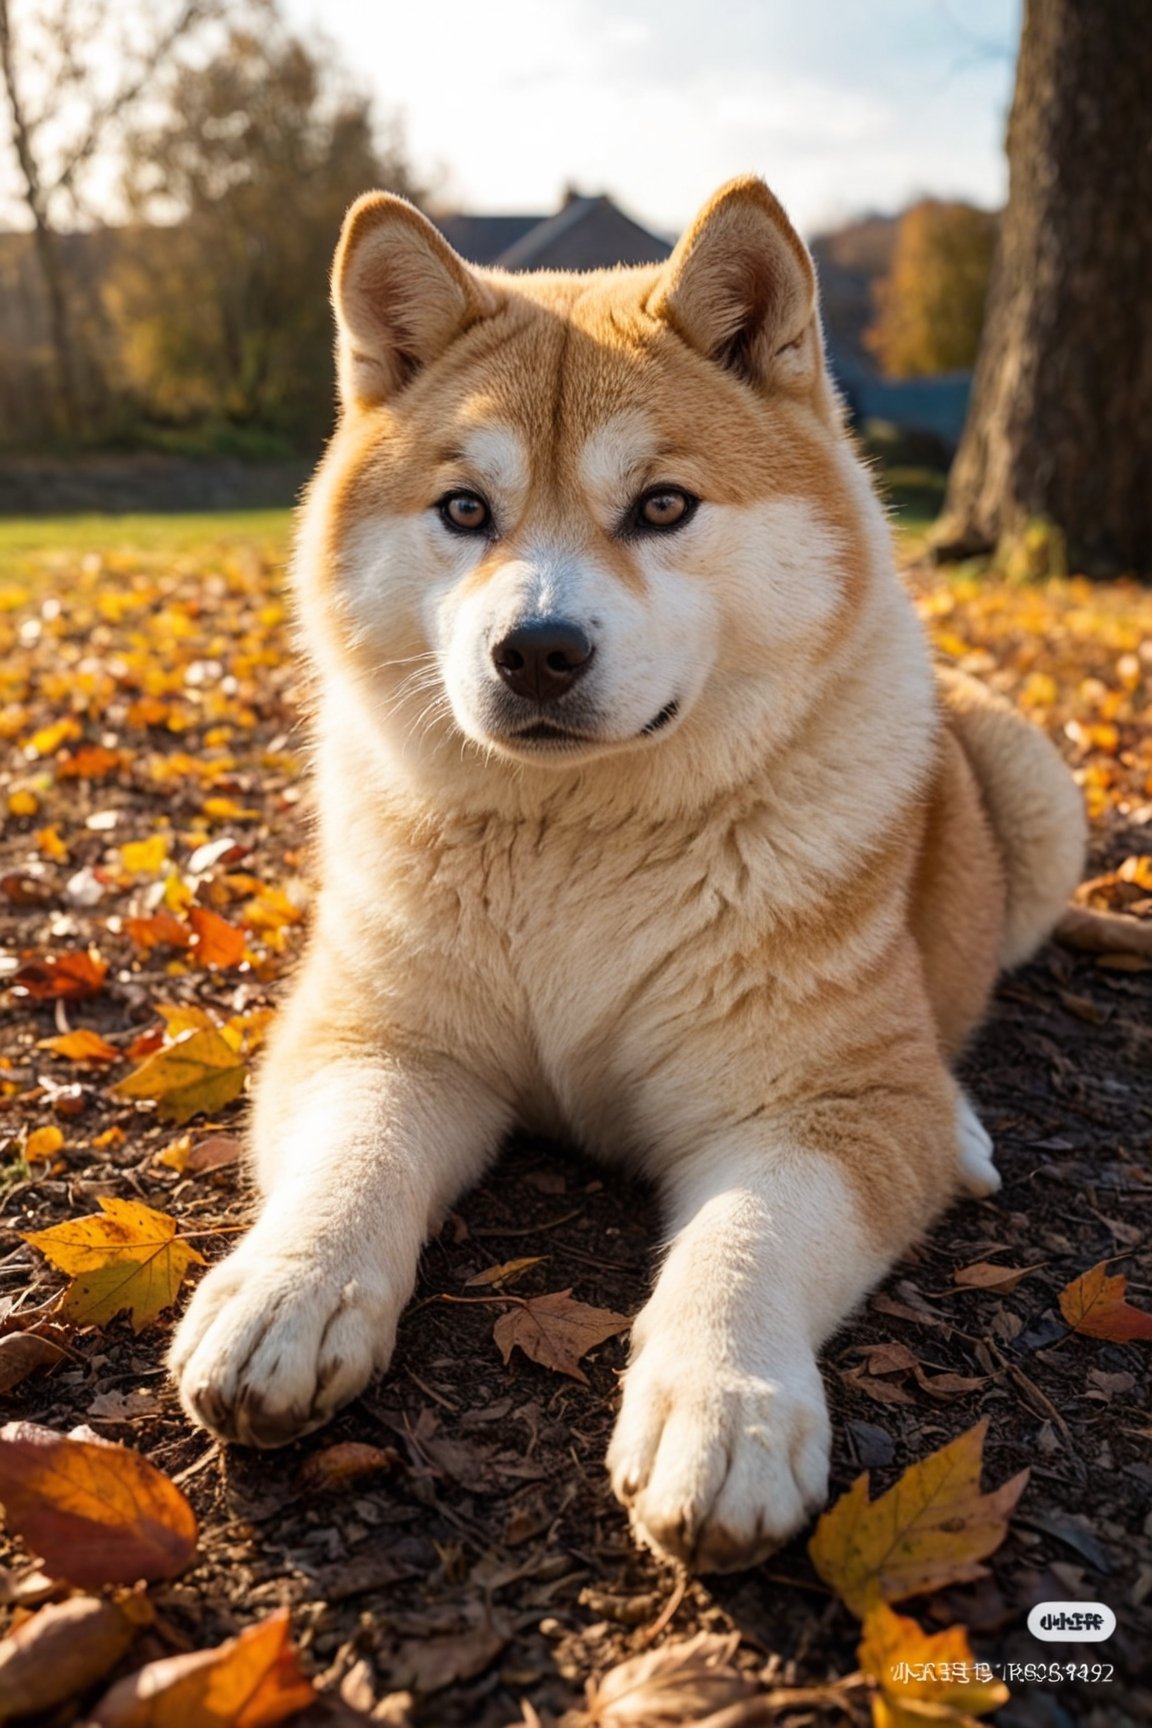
(21, 535)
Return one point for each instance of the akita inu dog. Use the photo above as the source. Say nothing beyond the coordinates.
(643, 821)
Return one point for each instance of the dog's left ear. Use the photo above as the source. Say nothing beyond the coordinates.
(740, 288)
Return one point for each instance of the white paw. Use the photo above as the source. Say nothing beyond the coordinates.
(978, 1173)
(271, 1346)
(718, 1467)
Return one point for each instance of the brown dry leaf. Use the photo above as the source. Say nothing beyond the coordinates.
(21, 1353)
(129, 1258)
(202, 1071)
(892, 1643)
(880, 1391)
(985, 1275)
(507, 1272)
(1094, 1304)
(214, 1153)
(81, 1046)
(94, 1512)
(689, 1680)
(346, 1462)
(249, 1682)
(60, 1651)
(215, 942)
(1109, 933)
(931, 1529)
(428, 1664)
(556, 1331)
(60, 977)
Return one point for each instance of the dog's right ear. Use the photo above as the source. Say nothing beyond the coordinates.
(400, 294)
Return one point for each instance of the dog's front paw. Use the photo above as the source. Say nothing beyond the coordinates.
(271, 1346)
(716, 1466)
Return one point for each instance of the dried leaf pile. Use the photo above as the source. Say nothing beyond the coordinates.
(448, 1553)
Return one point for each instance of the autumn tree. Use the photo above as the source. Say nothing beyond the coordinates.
(1058, 432)
(72, 75)
(238, 191)
(930, 306)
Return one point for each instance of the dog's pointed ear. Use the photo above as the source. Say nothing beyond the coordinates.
(401, 295)
(740, 288)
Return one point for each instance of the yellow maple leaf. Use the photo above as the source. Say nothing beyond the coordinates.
(932, 1528)
(201, 1071)
(130, 1258)
(145, 857)
(43, 1144)
(924, 1677)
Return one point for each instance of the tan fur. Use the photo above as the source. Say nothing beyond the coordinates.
(735, 945)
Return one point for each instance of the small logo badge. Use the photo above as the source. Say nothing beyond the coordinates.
(1071, 1622)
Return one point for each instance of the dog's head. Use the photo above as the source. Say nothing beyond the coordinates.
(573, 516)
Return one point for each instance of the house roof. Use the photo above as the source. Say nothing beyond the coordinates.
(481, 239)
(586, 234)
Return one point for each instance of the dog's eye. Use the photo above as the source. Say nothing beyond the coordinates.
(465, 512)
(664, 507)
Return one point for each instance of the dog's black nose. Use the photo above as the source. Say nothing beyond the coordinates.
(543, 659)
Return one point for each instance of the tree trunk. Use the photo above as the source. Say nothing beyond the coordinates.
(1060, 427)
(44, 235)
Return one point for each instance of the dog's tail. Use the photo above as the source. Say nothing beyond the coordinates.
(1033, 804)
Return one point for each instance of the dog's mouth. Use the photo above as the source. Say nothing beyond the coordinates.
(545, 732)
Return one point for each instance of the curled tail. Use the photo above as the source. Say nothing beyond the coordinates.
(1033, 804)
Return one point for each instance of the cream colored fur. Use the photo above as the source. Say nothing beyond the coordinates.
(729, 929)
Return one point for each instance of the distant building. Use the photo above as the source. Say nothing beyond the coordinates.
(585, 234)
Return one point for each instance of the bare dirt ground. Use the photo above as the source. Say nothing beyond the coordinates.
(489, 1570)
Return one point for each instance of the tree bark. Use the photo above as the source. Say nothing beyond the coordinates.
(1060, 426)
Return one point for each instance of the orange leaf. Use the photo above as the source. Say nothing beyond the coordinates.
(346, 1462)
(60, 977)
(910, 1666)
(82, 1047)
(249, 1682)
(130, 1258)
(986, 1275)
(159, 931)
(90, 762)
(931, 1529)
(60, 1651)
(95, 1513)
(43, 1144)
(556, 1331)
(1094, 1304)
(215, 941)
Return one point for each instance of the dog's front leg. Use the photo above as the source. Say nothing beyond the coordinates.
(721, 1448)
(358, 1151)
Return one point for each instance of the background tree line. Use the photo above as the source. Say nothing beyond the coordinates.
(229, 149)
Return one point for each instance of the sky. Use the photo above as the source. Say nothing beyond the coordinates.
(844, 106)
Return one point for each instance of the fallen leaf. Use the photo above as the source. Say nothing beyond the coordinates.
(215, 942)
(42, 1145)
(250, 1681)
(95, 1513)
(200, 1072)
(81, 1046)
(346, 1462)
(1094, 1304)
(507, 1272)
(90, 762)
(892, 1645)
(21, 1354)
(129, 1258)
(60, 977)
(688, 1680)
(985, 1275)
(159, 931)
(556, 1331)
(23, 889)
(931, 1529)
(145, 857)
(428, 1664)
(123, 1406)
(59, 1652)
